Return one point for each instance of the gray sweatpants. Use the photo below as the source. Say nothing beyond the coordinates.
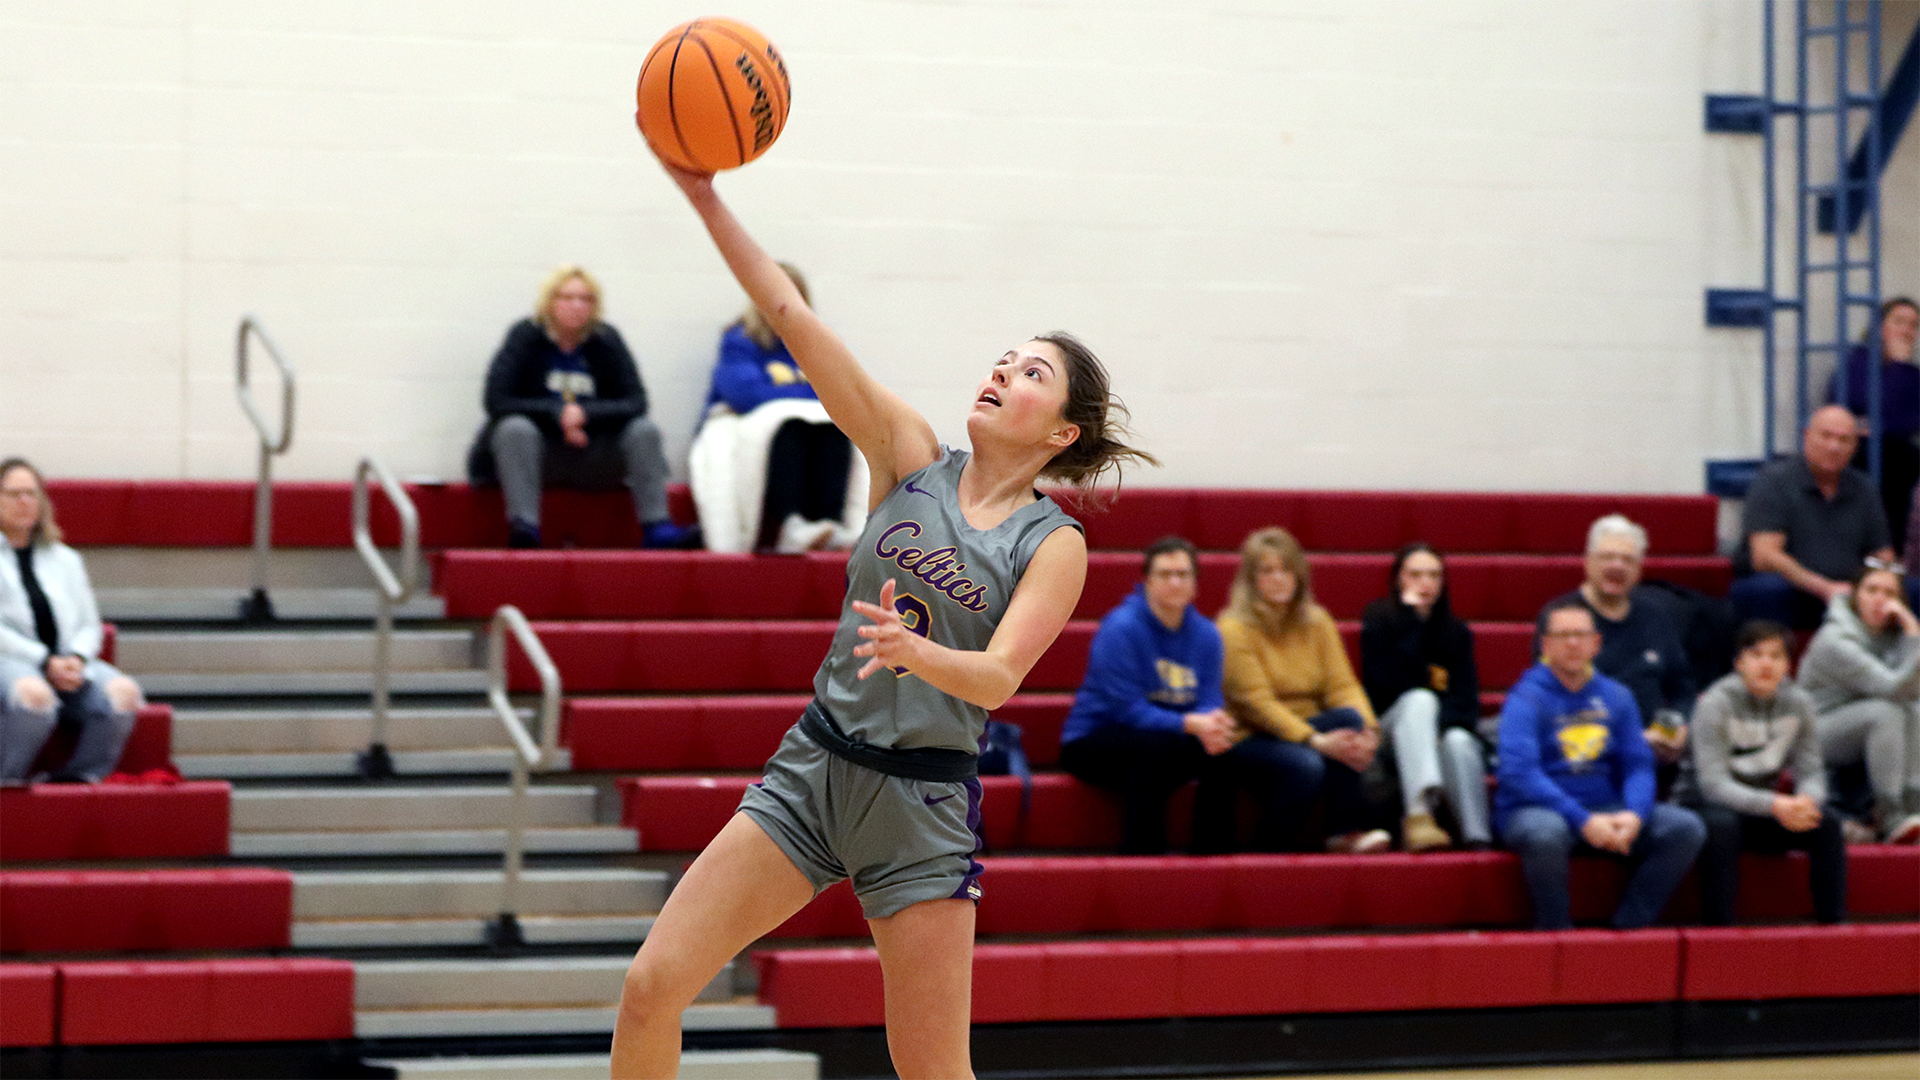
(1428, 762)
(1886, 735)
(527, 461)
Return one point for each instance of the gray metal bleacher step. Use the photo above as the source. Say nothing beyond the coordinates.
(353, 894)
(528, 995)
(160, 686)
(591, 839)
(296, 661)
(315, 730)
(406, 807)
(471, 761)
(694, 1065)
(739, 1015)
(229, 569)
(417, 820)
(373, 909)
(312, 742)
(140, 652)
(467, 932)
(136, 605)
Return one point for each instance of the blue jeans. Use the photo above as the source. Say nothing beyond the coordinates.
(1669, 840)
(1285, 778)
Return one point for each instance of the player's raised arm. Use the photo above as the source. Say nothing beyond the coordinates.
(892, 435)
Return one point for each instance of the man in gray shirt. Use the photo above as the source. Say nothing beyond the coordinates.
(1810, 520)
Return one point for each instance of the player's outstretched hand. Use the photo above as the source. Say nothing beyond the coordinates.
(888, 640)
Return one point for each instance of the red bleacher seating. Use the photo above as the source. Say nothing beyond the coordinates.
(700, 585)
(1066, 896)
(1762, 962)
(180, 1001)
(728, 732)
(115, 821)
(150, 746)
(1219, 519)
(772, 655)
(219, 513)
(1113, 980)
(27, 1004)
(54, 911)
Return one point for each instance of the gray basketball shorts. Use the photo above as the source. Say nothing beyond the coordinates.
(900, 841)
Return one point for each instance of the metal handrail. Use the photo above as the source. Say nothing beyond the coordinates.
(505, 932)
(257, 607)
(377, 763)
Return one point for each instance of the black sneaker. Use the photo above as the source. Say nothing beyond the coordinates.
(522, 535)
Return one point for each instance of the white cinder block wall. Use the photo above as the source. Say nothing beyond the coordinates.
(1421, 243)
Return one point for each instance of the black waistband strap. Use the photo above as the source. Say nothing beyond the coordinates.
(930, 763)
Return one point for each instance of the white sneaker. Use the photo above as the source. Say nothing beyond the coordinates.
(1855, 832)
(844, 537)
(1904, 831)
(798, 535)
(1360, 843)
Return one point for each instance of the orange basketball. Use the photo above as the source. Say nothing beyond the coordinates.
(713, 95)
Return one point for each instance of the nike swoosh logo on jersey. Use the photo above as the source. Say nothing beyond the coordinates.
(919, 490)
(930, 801)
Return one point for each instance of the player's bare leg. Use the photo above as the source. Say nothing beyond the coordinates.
(926, 958)
(741, 887)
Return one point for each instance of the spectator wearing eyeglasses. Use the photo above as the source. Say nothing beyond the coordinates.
(1576, 774)
(1809, 520)
(1640, 645)
(51, 673)
(1862, 671)
(1149, 717)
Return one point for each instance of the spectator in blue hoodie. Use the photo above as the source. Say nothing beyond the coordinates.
(1575, 770)
(1149, 718)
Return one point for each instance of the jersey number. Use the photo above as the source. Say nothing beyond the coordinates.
(915, 616)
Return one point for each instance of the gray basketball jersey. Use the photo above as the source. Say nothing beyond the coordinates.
(952, 583)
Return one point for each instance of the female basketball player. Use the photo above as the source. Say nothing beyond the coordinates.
(962, 578)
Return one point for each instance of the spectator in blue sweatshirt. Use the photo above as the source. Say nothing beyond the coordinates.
(1149, 718)
(1575, 770)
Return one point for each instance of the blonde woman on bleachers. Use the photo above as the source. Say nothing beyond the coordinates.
(50, 638)
(1287, 679)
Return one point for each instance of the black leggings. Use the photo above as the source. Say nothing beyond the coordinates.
(806, 475)
(1729, 832)
(1145, 768)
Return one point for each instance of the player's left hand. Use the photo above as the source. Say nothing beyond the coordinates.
(889, 643)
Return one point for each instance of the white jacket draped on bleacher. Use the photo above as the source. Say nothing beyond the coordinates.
(727, 470)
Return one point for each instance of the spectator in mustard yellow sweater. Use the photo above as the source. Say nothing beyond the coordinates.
(1289, 683)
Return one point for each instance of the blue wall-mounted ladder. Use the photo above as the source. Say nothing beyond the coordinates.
(1842, 125)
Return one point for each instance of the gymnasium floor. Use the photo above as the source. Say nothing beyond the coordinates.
(1852, 1067)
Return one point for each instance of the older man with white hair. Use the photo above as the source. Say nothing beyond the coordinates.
(1640, 645)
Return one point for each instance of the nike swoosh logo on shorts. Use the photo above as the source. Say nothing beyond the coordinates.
(930, 801)
(919, 490)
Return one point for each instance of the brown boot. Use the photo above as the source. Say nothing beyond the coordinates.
(1419, 833)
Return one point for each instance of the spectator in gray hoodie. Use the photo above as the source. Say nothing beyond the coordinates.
(1749, 728)
(1863, 673)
